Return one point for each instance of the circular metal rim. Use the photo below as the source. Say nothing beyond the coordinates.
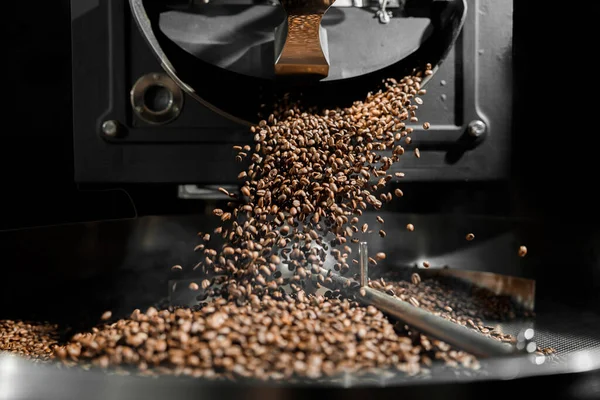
(145, 26)
(138, 92)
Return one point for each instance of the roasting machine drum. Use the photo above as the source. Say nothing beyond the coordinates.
(235, 43)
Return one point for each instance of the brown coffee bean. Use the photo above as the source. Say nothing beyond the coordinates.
(193, 286)
(106, 316)
(398, 193)
(176, 268)
(414, 301)
(382, 233)
(426, 264)
(417, 153)
(410, 227)
(522, 251)
(470, 237)
(380, 256)
(426, 125)
(415, 278)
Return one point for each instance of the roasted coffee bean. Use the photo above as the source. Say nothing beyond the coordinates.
(522, 251)
(176, 268)
(33, 341)
(193, 286)
(426, 264)
(415, 278)
(232, 337)
(410, 227)
(106, 316)
(414, 301)
(380, 256)
(470, 237)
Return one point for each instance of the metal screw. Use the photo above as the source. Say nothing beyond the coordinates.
(477, 128)
(110, 128)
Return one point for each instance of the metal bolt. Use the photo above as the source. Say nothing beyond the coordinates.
(110, 128)
(477, 128)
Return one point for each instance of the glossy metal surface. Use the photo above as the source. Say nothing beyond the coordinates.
(22, 380)
(456, 335)
(171, 110)
(300, 41)
(84, 269)
(70, 274)
(446, 20)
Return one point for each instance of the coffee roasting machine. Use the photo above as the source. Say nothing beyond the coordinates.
(163, 89)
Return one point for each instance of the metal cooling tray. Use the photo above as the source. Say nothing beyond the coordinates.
(71, 274)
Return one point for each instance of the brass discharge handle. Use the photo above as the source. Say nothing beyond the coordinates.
(301, 41)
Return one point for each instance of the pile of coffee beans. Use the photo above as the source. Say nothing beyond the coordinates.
(457, 305)
(309, 177)
(29, 340)
(307, 337)
(463, 304)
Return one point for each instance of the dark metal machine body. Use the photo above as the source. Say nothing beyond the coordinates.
(469, 138)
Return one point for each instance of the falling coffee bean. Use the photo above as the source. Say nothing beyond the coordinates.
(522, 251)
(106, 316)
